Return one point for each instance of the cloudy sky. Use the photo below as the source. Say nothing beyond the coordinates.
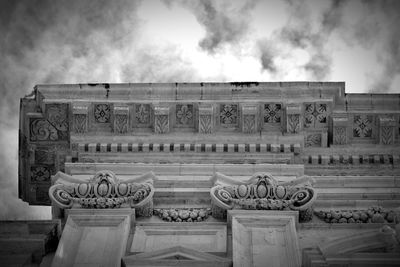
(75, 41)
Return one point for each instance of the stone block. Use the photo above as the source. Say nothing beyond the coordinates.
(261, 238)
(241, 148)
(114, 147)
(252, 148)
(209, 236)
(105, 239)
(92, 147)
(145, 147)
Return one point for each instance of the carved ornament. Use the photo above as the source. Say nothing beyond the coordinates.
(103, 190)
(262, 192)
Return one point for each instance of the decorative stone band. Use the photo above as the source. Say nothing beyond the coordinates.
(103, 190)
(264, 192)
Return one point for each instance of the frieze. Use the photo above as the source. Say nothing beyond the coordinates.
(263, 192)
(103, 190)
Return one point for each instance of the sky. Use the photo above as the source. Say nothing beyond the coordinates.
(102, 41)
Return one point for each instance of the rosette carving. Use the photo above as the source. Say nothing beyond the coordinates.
(263, 192)
(103, 190)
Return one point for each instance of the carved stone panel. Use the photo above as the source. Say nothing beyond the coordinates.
(206, 122)
(53, 127)
(272, 113)
(293, 118)
(184, 115)
(313, 140)
(161, 119)
(80, 118)
(121, 119)
(102, 113)
(142, 115)
(41, 173)
(339, 130)
(228, 114)
(386, 129)
(363, 126)
(249, 118)
(315, 114)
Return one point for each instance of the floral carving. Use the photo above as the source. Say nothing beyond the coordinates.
(54, 127)
(205, 125)
(121, 123)
(102, 113)
(272, 113)
(249, 123)
(375, 214)
(43, 155)
(339, 135)
(228, 114)
(40, 173)
(80, 123)
(314, 113)
(183, 215)
(142, 113)
(362, 126)
(262, 192)
(293, 123)
(184, 114)
(313, 140)
(161, 124)
(103, 190)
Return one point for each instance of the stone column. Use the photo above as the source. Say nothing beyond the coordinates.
(80, 117)
(340, 129)
(161, 119)
(293, 118)
(386, 129)
(121, 119)
(249, 118)
(206, 119)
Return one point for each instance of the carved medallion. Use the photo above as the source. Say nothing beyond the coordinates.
(41, 173)
(228, 114)
(272, 113)
(184, 114)
(314, 113)
(102, 113)
(362, 127)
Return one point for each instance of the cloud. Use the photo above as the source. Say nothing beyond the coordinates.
(225, 22)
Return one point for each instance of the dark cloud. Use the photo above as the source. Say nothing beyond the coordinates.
(225, 22)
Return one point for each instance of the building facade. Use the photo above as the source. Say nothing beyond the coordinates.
(215, 174)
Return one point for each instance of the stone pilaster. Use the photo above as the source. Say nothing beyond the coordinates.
(386, 129)
(249, 118)
(161, 119)
(121, 119)
(80, 117)
(293, 118)
(206, 119)
(340, 129)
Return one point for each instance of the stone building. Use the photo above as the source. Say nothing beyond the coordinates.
(210, 174)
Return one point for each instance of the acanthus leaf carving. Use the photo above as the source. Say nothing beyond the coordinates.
(339, 135)
(161, 124)
(205, 124)
(249, 123)
(293, 123)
